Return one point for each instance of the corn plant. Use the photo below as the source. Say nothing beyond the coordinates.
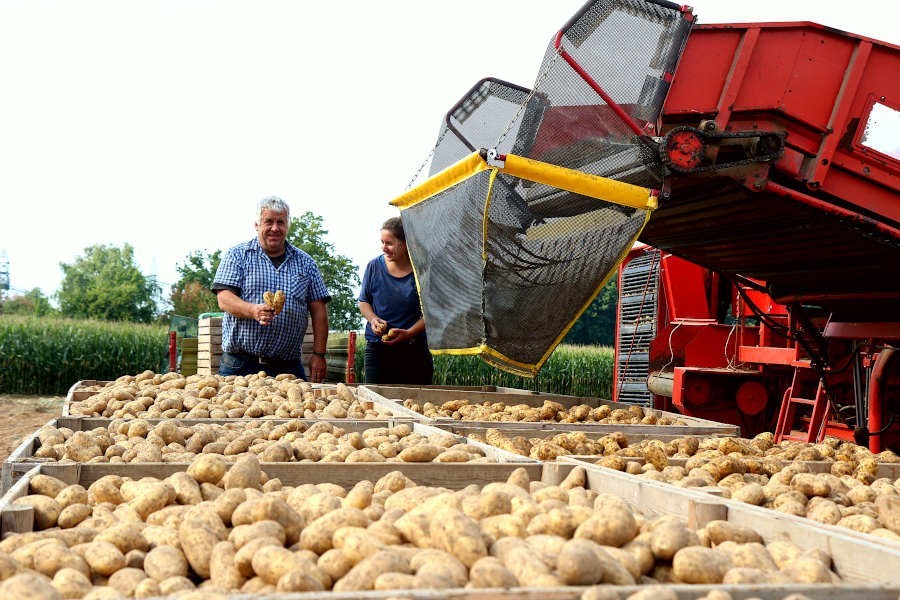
(47, 355)
(570, 370)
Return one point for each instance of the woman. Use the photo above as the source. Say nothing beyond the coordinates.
(396, 347)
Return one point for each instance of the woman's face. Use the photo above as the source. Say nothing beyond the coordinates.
(392, 248)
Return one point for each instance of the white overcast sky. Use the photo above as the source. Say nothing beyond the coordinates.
(161, 123)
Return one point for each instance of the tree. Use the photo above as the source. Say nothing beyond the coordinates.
(597, 324)
(106, 284)
(192, 294)
(33, 303)
(340, 274)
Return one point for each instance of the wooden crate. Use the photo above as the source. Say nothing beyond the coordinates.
(23, 458)
(82, 390)
(702, 505)
(853, 558)
(209, 345)
(394, 396)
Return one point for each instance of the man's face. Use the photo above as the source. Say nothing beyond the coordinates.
(271, 230)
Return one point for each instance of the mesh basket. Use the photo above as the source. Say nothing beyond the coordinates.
(508, 255)
(496, 279)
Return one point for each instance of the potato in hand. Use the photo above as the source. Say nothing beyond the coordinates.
(274, 301)
(391, 334)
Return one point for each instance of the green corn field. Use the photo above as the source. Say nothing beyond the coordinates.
(570, 370)
(48, 355)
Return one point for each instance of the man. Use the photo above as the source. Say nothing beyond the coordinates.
(254, 337)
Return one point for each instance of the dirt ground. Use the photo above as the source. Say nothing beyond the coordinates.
(20, 416)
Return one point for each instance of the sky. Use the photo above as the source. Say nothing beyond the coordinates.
(161, 123)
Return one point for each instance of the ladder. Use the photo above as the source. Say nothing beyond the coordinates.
(819, 406)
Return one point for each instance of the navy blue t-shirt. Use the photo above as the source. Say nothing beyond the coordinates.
(394, 299)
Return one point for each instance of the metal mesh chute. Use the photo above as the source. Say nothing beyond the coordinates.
(507, 255)
(496, 281)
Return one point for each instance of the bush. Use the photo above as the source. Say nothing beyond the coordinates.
(570, 370)
(48, 355)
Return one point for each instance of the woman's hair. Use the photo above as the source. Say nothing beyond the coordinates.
(273, 203)
(395, 226)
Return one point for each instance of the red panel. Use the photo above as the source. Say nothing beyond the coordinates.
(702, 71)
(692, 301)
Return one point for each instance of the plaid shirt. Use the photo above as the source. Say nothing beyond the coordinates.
(248, 268)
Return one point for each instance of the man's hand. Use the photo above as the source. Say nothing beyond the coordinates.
(379, 326)
(317, 368)
(262, 314)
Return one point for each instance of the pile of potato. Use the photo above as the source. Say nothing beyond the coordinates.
(127, 441)
(850, 496)
(222, 530)
(465, 410)
(173, 396)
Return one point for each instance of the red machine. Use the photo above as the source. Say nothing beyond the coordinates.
(767, 293)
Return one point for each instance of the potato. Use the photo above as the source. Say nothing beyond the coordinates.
(46, 510)
(578, 563)
(272, 562)
(105, 489)
(438, 574)
(357, 542)
(147, 588)
(46, 485)
(29, 585)
(243, 558)
(335, 563)
(807, 569)
(242, 534)
(489, 572)
(670, 537)
(223, 571)
(747, 575)
(363, 575)
(197, 539)
(298, 580)
(616, 526)
(104, 558)
(72, 494)
(720, 531)
(317, 536)
(125, 536)
(394, 581)
(244, 473)
(420, 453)
(270, 508)
(888, 507)
(457, 534)
(71, 583)
(164, 562)
(696, 564)
(53, 557)
(208, 468)
(73, 514)
(126, 580)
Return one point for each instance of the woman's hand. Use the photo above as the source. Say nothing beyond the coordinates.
(398, 336)
(379, 326)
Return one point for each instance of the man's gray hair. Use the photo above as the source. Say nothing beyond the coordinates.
(273, 203)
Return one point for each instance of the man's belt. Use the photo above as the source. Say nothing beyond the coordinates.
(266, 360)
